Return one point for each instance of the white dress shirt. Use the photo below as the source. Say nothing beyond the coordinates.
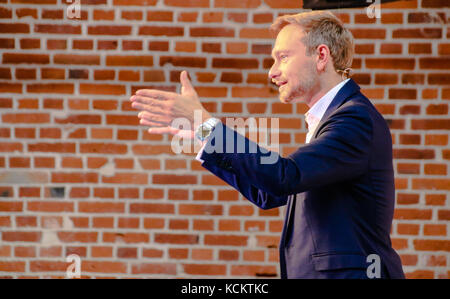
(316, 112)
(312, 117)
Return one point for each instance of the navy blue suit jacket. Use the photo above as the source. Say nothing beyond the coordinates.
(339, 190)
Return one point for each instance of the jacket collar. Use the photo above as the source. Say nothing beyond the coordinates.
(344, 93)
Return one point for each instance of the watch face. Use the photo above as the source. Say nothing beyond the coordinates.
(205, 132)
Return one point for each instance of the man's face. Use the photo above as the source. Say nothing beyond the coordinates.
(293, 71)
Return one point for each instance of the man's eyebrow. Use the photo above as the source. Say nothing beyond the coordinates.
(279, 51)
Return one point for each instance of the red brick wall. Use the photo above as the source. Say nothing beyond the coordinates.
(78, 175)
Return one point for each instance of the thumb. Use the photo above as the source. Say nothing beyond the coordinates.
(186, 86)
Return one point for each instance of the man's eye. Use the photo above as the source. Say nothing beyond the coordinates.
(282, 57)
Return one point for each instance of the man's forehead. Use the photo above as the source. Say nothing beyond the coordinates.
(288, 39)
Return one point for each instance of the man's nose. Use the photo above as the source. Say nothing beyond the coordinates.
(274, 71)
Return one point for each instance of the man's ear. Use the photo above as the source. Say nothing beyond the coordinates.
(323, 56)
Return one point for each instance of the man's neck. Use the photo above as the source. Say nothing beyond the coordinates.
(323, 87)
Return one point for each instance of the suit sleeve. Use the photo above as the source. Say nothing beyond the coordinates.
(339, 153)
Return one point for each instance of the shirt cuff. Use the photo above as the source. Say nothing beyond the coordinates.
(200, 152)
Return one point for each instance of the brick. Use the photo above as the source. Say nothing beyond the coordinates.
(413, 154)
(176, 238)
(202, 254)
(174, 179)
(52, 147)
(102, 89)
(57, 29)
(434, 3)
(107, 45)
(409, 259)
(12, 266)
(19, 162)
(152, 208)
(78, 74)
(76, 59)
(35, 118)
(10, 88)
(253, 270)
(7, 43)
(50, 206)
(183, 61)
(419, 48)
(256, 108)
(196, 209)
(52, 73)
(228, 255)
(237, 63)
(30, 43)
(263, 33)
(430, 124)
(434, 63)
(432, 245)
(225, 240)
(154, 268)
(161, 31)
(417, 33)
(434, 230)
(51, 88)
(126, 178)
(7, 206)
(80, 119)
(253, 92)
(17, 58)
(368, 33)
(204, 269)
(122, 60)
(83, 237)
(190, 4)
(244, 4)
(103, 14)
(152, 193)
(390, 63)
(435, 169)
(101, 207)
(26, 12)
(135, 2)
(16, 236)
(408, 229)
(150, 223)
(109, 30)
(25, 74)
(211, 32)
(14, 28)
(74, 177)
(412, 214)
(440, 79)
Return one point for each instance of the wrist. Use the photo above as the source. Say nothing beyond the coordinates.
(204, 130)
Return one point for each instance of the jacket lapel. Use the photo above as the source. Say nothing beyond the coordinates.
(344, 93)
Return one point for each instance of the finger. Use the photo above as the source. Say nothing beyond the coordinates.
(149, 101)
(153, 117)
(151, 123)
(148, 108)
(164, 130)
(156, 94)
(186, 86)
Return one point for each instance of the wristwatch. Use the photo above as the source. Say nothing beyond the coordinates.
(204, 130)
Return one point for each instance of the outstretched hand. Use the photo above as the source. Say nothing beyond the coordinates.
(160, 108)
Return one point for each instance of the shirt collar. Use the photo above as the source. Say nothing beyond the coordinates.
(318, 109)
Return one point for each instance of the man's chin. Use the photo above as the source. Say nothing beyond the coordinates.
(289, 100)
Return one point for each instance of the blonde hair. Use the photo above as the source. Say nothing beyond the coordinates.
(323, 27)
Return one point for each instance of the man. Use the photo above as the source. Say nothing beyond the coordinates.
(339, 187)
